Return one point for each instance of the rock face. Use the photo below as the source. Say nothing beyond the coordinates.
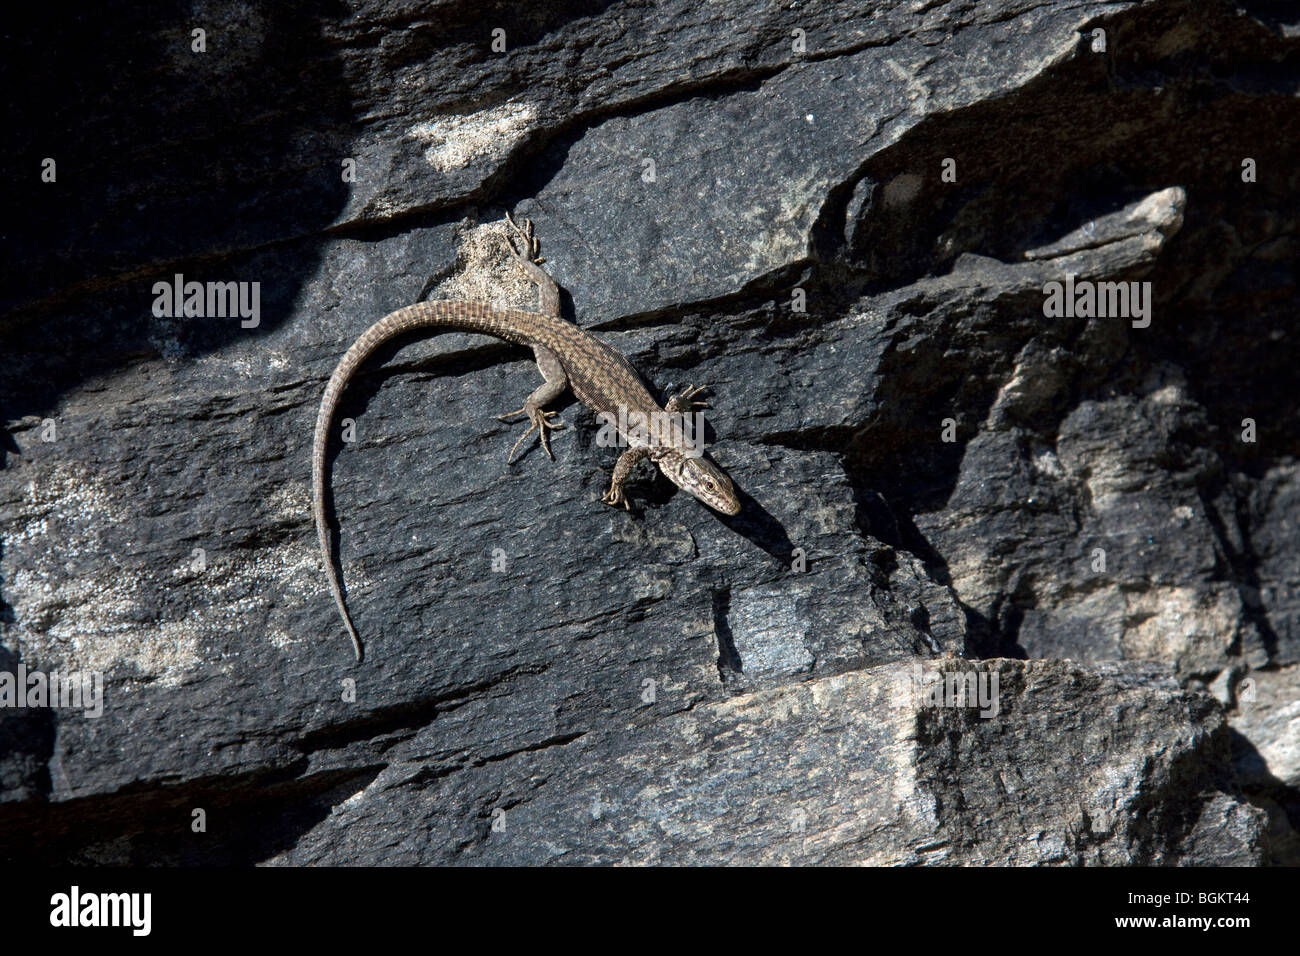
(996, 303)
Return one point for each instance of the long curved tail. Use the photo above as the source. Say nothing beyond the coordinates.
(508, 324)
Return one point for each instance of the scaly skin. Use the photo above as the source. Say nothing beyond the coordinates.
(567, 356)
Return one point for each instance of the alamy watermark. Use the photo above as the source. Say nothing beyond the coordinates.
(1086, 299)
(681, 430)
(75, 690)
(974, 688)
(212, 300)
(129, 910)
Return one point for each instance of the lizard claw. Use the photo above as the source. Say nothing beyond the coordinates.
(615, 497)
(684, 400)
(527, 241)
(541, 422)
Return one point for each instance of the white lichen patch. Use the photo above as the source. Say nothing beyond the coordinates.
(456, 141)
(255, 367)
(70, 493)
(297, 575)
(769, 238)
(487, 273)
(289, 502)
(1046, 463)
(1192, 626)
(78, 605)
(89, 623)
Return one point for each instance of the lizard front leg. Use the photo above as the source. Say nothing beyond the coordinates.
(684, 400)
(622, 468)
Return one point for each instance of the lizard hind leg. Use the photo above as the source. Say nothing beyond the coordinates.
(541, 423)
(528, 245)
(556, 381)
(524, 249)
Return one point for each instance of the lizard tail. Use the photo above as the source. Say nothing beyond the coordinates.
(378, 333)
(507, 324)
(318, 509)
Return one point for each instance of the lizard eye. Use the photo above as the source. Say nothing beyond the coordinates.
(708, 483)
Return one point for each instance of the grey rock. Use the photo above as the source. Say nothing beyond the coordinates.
(1265, 725)
(932, 468)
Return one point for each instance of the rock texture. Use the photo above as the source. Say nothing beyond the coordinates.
(845, 224)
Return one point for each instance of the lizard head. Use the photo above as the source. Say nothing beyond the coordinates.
(701, 478)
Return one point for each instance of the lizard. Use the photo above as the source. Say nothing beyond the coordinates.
(567, 357)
